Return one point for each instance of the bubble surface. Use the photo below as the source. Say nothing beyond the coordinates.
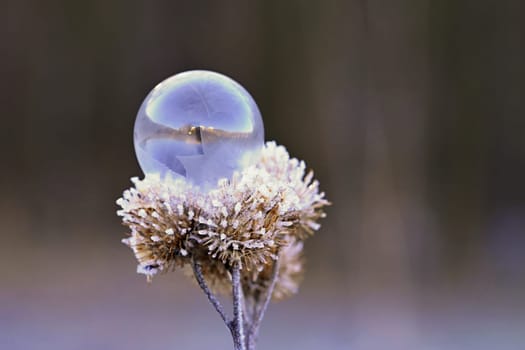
(199, 125)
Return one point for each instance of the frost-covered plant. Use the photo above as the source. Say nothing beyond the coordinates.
(243, 238)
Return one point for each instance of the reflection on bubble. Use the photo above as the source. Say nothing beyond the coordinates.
(200, 125)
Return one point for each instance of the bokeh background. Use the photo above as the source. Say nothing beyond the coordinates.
(411, 112)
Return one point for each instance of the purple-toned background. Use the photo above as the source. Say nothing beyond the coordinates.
(412, 114)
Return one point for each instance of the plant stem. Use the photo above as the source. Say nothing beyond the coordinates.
(197, 271)
(237, 324)
(244, 332)
(258, 313)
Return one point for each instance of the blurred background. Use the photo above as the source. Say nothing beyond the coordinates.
(411, 112)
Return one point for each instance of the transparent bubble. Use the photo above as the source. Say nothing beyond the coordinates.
(200, 125)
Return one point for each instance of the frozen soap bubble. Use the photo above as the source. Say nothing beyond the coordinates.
(200, 125)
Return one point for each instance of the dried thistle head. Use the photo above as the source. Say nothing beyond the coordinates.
(289, 275)
(258, 216)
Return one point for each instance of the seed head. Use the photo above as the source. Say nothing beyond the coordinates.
(258, 216)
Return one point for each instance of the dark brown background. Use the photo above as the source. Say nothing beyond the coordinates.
(411, 112)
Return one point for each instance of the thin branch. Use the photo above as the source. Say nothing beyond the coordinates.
(238, 305)
(259, 312)
(197, 271)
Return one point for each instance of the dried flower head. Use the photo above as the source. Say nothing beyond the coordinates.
(258, 216)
